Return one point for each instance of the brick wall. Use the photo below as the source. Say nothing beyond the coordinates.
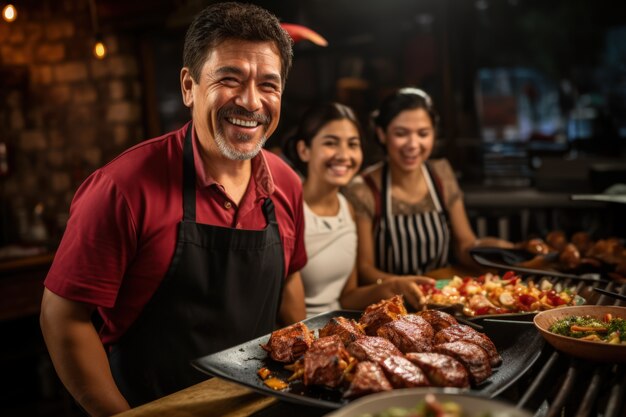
(68, 113)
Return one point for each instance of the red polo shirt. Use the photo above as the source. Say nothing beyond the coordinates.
(122, 229)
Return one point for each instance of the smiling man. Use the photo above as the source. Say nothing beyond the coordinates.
(184, 244)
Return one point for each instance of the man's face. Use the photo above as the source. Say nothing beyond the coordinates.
(236, 102)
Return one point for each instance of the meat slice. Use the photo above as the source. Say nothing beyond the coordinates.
(325, 362)
(368, 379)
(375, 315)
(463, 332)
(402, 373)
(421, 322)
(408, 335)
(347, 329)
(437, 319)
(289, 343)
(473, 357)
(441, 370)
(372, 348)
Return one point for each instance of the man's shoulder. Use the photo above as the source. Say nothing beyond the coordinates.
(149, 152)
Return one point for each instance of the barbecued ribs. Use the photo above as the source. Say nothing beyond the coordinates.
(370, 354)
(473, 357)
(368, 379)
(409, 334)
(380, 313)
(289, 343)
(441, 370)
(466, 333)
(325, 362)
(372, 348)
(347, 329)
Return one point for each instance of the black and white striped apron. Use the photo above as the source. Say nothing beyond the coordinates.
(415, 243)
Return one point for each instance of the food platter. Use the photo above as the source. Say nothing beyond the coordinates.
(595, 351)
(455, 296)
(519, 346)
(472, 405)
(517, 260)
(509, 259)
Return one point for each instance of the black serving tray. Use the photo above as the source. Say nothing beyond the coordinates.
(519, 346)
(507, 259)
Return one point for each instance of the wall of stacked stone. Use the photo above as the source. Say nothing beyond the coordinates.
(72, 114)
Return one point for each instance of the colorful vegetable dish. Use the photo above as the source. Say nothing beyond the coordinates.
(494, 294)
(607, 329)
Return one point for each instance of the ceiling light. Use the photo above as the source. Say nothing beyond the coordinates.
(9, 13)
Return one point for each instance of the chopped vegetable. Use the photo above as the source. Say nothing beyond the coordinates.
(430, 407)
(490, 294)
(608, 329)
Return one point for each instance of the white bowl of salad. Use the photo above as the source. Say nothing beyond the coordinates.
(596, 333)
(428, 402)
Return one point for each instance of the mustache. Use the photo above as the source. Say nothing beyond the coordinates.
(234, 111)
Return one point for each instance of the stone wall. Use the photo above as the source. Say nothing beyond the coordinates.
(63, 113)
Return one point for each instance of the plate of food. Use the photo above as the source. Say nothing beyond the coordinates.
(596, 333)
(334, 358)
(493, 295)
(424, 402)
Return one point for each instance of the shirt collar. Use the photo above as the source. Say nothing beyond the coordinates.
(261, 173)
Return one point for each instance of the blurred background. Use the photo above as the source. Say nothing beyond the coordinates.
(531, 93)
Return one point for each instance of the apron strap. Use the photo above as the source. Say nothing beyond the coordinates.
(386, 212)
(438, 196)
(189, 178)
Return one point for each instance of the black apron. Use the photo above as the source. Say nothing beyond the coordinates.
(222, 288)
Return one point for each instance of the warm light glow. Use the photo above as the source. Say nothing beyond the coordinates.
(99, 50)
(9, 13)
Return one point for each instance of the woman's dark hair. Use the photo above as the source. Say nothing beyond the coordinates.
(407, 98)
(222, 21)
(311, 122)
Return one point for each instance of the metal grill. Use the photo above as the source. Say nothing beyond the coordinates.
(558, 385)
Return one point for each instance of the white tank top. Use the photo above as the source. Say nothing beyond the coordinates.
(330, 243)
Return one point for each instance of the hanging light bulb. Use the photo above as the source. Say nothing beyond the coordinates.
(9, 13)
(99, 48)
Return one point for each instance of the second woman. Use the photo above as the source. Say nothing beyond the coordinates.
(327, 149)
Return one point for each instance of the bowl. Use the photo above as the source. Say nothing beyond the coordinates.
(585, 349)
(473, 405)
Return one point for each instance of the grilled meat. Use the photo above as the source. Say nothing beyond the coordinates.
(466, 333)
(441, 370)
(556, 239)
(347, 330)
(325, 362)
(437, 319)
(413, 334)
(380, 313)
(372, 348)
(289, 343)
(368, 379)
(473, 357)
(402, 373)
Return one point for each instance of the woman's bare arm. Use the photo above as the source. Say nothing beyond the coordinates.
(293, 307)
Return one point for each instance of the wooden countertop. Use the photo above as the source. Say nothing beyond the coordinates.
(212, 398)
(21, 285)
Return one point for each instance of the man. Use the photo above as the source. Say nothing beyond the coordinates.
(184, 243)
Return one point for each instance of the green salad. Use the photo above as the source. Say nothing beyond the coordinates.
(430, 407)
(608, 329)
